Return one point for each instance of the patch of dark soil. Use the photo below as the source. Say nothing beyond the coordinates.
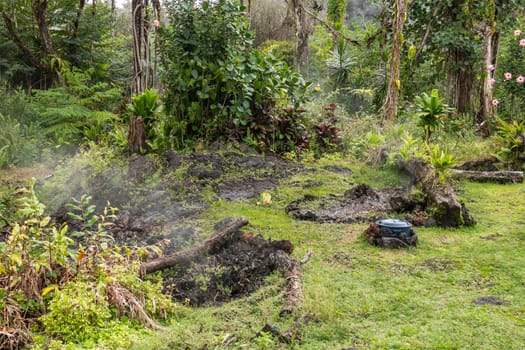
(438, 264)
(244, 176)
(359, 204)
(233, 271)
(492, 237)
(338, 170)
(490, 300)
(341, 258)
(485, 164)
(244, 188)
(157, 199)
(141, 167)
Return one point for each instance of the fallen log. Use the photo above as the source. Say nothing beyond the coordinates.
(440, 196)
(209, 245)
(501, 177)
(292, 276)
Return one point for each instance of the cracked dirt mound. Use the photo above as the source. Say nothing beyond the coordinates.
(359, 204)
(232, 271)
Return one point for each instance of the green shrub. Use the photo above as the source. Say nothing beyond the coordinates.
(282, 50)
(77, 313)
(16, 146)
(431, 111)
(512, 138)
(85, 286)
(146, 105)
(218, 87)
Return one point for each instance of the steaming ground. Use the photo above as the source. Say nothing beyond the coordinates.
(160, 198)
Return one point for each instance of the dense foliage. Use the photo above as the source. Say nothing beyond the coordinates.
(67, 276)
(219, 87)
(223, 72)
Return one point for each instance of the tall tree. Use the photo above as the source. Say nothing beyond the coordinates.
(489, 48)
(303, 29)
(394, 83)
(142, 65)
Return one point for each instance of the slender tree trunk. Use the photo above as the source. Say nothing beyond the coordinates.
(15, 36)
(490, 51)
(140, 46)
(39, 9)
(137, 134)
(394, 84)
(302, 32)
(74, 34)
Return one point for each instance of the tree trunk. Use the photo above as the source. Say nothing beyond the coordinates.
(136, 135)
(140, 46)
(39, 9)
(464, 81)
(490, 51)
(394, 84)
(302, 32)
(74, 34)
(13, 34)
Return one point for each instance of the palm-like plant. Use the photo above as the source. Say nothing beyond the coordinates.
(340, 65)
(431, 112)
(145, 105)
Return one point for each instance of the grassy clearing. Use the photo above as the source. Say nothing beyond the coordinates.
(369, 298)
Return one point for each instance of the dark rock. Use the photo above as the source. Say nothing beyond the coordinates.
(202, 174)
(485, 164)
(174, 160)
(361, 192)
(359, 204)
(490, 300)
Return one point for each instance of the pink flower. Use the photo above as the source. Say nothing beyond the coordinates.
(156, 23)
(495, 102)
(520, 79)
(522, 42)
(517, 32)
(492, 82)
(491, 67)
(508, 76)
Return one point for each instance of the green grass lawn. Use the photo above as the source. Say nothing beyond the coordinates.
(368, 298)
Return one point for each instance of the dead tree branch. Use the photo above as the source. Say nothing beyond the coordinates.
(212, 243)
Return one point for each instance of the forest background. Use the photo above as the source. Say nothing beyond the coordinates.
(313, 81)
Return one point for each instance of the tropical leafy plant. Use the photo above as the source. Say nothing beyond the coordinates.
(340, 65)
(147, 106)
(431, 110)
(512, 136)
(16, 148)
(441, 160)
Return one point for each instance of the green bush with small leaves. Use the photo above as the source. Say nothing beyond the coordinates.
(218, 87)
